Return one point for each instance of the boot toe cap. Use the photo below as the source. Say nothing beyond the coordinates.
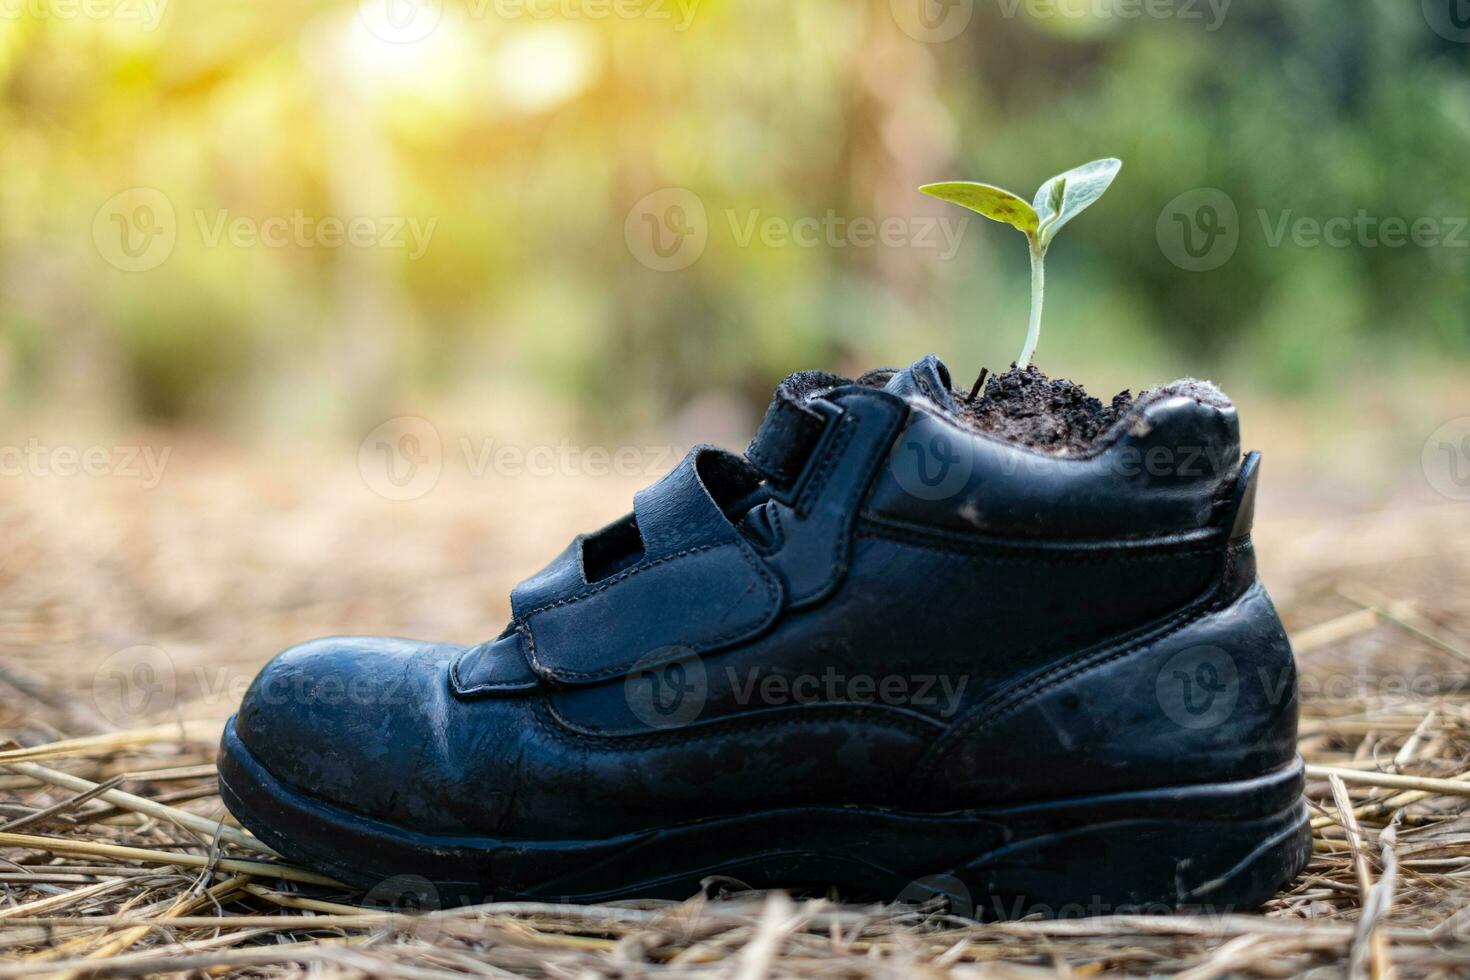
(350, 720)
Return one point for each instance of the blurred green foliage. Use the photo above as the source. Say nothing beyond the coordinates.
(520, 138)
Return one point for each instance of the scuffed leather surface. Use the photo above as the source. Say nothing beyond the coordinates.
(1162, 474)
(401, 747)
(910, 608)
(1056, 601)
(1211, 694)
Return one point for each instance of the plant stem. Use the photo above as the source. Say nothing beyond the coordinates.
(1038, 288)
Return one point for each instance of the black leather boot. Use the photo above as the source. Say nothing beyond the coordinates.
(885, 651)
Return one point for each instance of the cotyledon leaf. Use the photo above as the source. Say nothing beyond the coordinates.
(1069, 194)
(993, 202)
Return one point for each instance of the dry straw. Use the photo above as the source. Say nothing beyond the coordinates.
(117, 858)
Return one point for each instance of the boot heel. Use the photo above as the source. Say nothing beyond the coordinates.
(1141, 867)
(1209, 849)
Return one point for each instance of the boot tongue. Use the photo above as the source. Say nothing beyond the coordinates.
(926, 377)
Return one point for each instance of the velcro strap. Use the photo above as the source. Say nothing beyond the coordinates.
(697, 585)
(791, 429)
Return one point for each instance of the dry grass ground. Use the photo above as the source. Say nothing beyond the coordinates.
(113, 859)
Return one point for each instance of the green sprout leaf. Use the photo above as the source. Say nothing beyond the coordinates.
(1067, 195)
(1057, 202)
(993, 202)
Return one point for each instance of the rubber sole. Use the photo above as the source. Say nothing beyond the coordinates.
(1219, 847)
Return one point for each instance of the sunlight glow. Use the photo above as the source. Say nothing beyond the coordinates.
(545, 65)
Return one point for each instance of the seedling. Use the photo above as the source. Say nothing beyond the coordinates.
(1057, 202)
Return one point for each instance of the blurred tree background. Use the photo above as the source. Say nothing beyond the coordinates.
(498, 152)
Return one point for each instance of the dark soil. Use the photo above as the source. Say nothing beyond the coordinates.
(1025, 406)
